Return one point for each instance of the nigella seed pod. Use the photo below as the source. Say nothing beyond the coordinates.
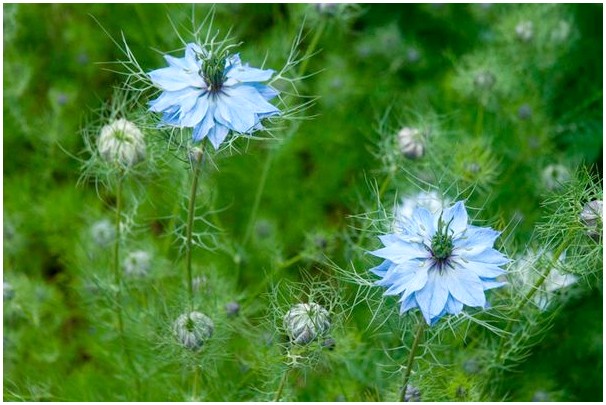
(413, 394)
(305, 322)
(554, 176)
(137, 263)
(411, 142)
(524, 31)
(103, 232)
(232, 309)
(121, 143)
(591, 217)
(194, 329)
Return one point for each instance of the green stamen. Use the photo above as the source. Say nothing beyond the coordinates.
(213, 71)
(442, 243)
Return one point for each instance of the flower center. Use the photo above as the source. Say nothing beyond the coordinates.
(213, 72)
(442, 244)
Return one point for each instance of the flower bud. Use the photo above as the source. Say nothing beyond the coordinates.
(193, 330)
(554, 176)
(103, 232)
(305, 322)
(411, 142)
(137, 263)
(524, 112)
(524, 31)
(591, 216)
(413, 394)
(195, 155)
(8, 291)
(484, 80)
(232, 308)
(121, 142)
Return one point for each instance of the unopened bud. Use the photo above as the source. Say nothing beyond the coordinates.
(305, 322)
(122, 143)
(524, 31)
(193, 330)
(484, 80)
(554, 176)
(591, 216)
(411, 142)
(413, 394)
(232, 308)
(137, 263)
(103, 232)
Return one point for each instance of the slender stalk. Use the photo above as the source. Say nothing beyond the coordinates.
(257, 202)
(191, 208)
(312, 47)
(282, 384)
(118, 281)
(411, 358)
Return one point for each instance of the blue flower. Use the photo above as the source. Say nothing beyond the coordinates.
(213, 93)
(439, 262)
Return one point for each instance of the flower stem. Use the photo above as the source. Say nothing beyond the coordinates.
(257, 202)
(197, 160)
(118, 282)
(282, 384)
(312, 47)
(411, 358)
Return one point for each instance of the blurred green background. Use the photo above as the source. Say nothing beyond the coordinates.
(399, 57)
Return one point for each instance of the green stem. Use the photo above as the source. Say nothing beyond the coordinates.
(312, 47)
(118, 281)
(191, 208)
(282, 384)
(258, 195)
(411, 358)
(290, 261)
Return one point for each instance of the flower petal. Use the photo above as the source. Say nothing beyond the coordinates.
(173, 79)
(432, 298)
(465, 286)
(456, 216)
(245, 73)
(217, 135)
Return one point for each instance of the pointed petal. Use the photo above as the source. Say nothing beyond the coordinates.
(432, 298)
(217, 135)
(458, 215)
(465, 286)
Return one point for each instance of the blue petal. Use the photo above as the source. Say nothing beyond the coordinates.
(408, 304)
(458, 215)
(490, 256)
(382, 268)
(251, 98)
(481, 269)
(234, 114)
(465, 286)
(217, 135)
(432, 298)
(388, 239)
(203, 128)
(418, 281)
(490, 284)
(184, 99)
(173, 79)
(197, 113)
(245, 73)
(453, 306)
(475, 240)
(267, 92)
(401, 252)
(399, 277)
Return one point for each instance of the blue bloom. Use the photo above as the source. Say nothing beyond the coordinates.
(439, 262)
(213, 93)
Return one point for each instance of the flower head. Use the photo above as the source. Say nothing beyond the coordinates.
(137, 263)
(591, 217)
(192, 330)
(121, 142)
(438, 262)
(213, 93)
(411, 142)
(306, 322)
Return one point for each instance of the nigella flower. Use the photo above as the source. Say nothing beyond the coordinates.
(213, 93)
(439, 263)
